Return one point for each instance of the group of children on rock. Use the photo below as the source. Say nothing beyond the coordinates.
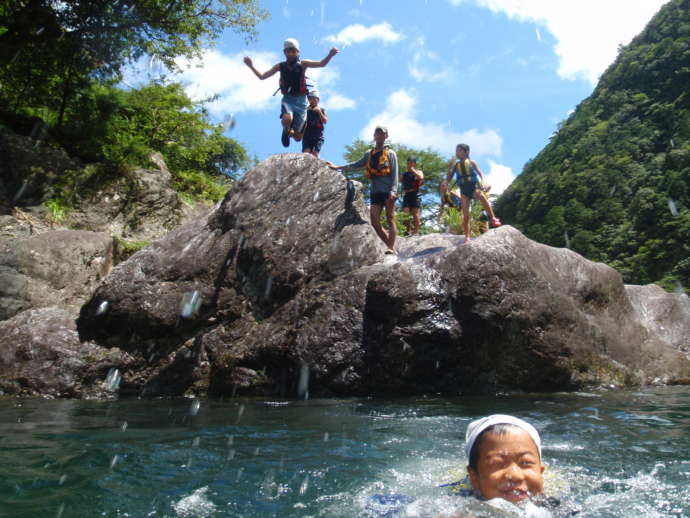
(302, 119)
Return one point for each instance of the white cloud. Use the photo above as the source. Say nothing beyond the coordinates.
(358, 33)
(238, 88)
(587, 32)
(427, 65)
(339, 102)
(404, 128)
(499, 177)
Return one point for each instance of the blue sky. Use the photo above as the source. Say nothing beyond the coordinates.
(496, 74)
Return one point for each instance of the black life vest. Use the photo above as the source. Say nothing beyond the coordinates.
(293, 80)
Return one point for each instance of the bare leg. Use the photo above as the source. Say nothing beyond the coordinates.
(415, 216)
(375, 215)
(479, 195)
(466, 217)
(390, 217)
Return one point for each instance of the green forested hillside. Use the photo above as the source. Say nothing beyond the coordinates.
(614, 182)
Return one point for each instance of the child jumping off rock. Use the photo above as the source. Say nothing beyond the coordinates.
(293, 86)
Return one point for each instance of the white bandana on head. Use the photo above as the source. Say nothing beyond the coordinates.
(477, 427)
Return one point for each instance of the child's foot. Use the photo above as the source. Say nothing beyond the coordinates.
(467, 240)
(390, 251)
(495, 222)
(285, 138)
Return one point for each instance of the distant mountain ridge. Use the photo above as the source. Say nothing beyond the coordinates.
(614, 182)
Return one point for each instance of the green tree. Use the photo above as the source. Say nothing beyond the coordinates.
(50, 51)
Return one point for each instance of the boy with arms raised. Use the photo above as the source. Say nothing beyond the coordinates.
(380, 164)
(293, 86)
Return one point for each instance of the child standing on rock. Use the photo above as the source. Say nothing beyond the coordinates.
(470, 180)
(293, 86)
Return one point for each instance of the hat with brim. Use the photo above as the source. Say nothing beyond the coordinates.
(382, 129)
(291, 43)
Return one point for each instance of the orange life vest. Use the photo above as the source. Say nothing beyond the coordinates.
(383, 168)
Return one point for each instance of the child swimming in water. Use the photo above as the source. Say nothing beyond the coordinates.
(504, 455)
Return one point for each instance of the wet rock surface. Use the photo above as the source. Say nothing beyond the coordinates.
(285, 282)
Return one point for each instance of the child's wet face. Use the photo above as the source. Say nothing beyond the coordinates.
(291, 54)
(509, 467)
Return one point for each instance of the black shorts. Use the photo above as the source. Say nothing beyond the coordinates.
(311, 142)
(468, 188)
(379, 198)
(412, 200)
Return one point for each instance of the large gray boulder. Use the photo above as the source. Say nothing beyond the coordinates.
(285, 285)
(41, 355)
(50, 267)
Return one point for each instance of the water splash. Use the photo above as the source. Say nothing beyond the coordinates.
(672, 207)
(191, 301)
(196, 505)
(102, 307)
(112, 380)
(194, 408)
(303, 383)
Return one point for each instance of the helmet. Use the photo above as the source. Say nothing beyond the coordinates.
(291, 43)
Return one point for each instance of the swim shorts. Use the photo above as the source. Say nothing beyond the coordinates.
(412, 200)
(297, 106)
(378, 198)
(314, 143)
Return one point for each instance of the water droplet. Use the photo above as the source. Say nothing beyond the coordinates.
(231, 440)
(194, 408)
(102, 307)
(326, 437)
(438, 364)
(672, 207)
(112, 380)
(287, 221)
(113, 462)
(123, 427)
(240, 411)
(191, 301)
(673, 144)
(304, 486)
(303, 383)
(62, 480)
(613, 190)
(20, 192)
(40, 31)
(229, 122)
(196, 442)
(567, 239)
(239, 474)
(267, 290)
(231, 454)
(60, 510)
(257, 450)
(316, 196)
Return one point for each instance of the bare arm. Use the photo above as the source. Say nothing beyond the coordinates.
(485, 186)
(322, 114)
(308, 63)
(451, 166)
(260, 75)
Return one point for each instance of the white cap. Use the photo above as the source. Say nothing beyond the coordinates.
(475, 428)
(314, 93)
(291, 43)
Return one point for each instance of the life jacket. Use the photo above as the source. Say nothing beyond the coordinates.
(314, 122)
(465, 171)
(293, 80)
(383, 165)
(410, 181)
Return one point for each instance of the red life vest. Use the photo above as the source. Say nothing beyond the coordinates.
(293, 80)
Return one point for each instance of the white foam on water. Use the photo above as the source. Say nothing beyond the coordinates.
(196, 505)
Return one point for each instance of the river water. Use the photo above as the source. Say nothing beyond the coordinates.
(622, 454)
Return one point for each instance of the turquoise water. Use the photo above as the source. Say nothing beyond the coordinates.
(609, 454)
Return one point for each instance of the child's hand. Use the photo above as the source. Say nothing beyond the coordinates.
(247, 61)
(332, 52)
